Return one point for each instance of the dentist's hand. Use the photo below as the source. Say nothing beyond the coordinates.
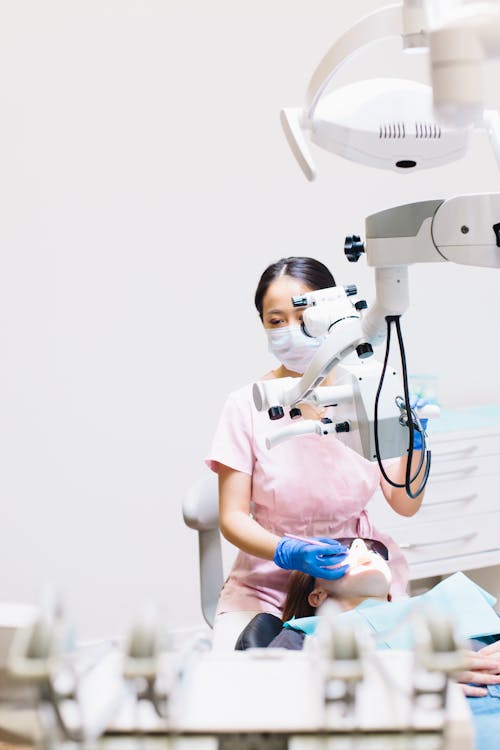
(315, 559)
(418, 404)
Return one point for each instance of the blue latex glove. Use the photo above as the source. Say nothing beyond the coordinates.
(417, 402)
(314, 559)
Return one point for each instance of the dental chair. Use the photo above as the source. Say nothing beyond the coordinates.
(200, 510)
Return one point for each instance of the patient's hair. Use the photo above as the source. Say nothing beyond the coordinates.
(300, 586)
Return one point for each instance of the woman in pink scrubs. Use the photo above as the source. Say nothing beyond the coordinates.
(309, 486)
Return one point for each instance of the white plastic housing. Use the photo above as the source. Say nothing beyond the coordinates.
(463, 36)
(457, 79)
(318, 320)
(363, 378)
(392, 298)
(463, 230)
(385, 123)
(302, 427)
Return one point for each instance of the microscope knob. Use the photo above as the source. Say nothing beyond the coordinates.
(350, 289)
(361, 304)
(353, 247)
(276, 412)
(342, 427)
(364, 350)
(295, 413)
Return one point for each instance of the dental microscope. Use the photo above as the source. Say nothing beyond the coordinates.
(371, 400)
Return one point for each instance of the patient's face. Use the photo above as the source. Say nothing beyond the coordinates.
(368, 575)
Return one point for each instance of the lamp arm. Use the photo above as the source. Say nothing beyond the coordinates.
(382, 23)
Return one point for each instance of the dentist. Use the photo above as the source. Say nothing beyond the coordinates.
(309, 487)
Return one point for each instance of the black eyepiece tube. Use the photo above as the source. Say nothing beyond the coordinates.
(299, 301)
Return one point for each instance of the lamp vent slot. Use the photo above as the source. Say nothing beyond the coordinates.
(392, 130)
(427, 130)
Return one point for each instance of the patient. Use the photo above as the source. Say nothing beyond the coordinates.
(369, 576)
(366, 585)
(363, 589)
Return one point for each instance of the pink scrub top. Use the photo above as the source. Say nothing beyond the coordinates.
(309, 485)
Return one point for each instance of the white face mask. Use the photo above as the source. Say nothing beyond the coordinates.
(292, 347)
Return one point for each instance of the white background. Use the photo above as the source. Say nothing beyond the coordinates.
(144, 185)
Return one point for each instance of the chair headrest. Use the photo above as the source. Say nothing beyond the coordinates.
(200, 508)
(259, 632)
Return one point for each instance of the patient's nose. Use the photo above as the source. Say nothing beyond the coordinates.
(358, 545)
(359, 551)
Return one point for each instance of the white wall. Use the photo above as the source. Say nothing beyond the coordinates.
(144, 185)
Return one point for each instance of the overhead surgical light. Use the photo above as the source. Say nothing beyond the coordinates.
(390, 123)
(384, 122)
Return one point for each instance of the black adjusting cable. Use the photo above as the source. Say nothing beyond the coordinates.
(412, 420)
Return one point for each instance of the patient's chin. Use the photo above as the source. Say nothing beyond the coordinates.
(367, 583)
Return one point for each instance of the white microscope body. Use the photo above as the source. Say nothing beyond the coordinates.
(465, 230)
(356, 381)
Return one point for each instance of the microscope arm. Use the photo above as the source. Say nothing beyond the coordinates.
(391, 298)
(464, 229)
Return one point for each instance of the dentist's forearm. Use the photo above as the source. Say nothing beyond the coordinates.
(248, 535)
(235, 521)
(397, 497)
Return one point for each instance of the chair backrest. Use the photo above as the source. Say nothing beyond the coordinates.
(201, 512)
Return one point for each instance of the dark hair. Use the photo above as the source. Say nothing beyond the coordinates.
(300, 586)
(312, 272)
